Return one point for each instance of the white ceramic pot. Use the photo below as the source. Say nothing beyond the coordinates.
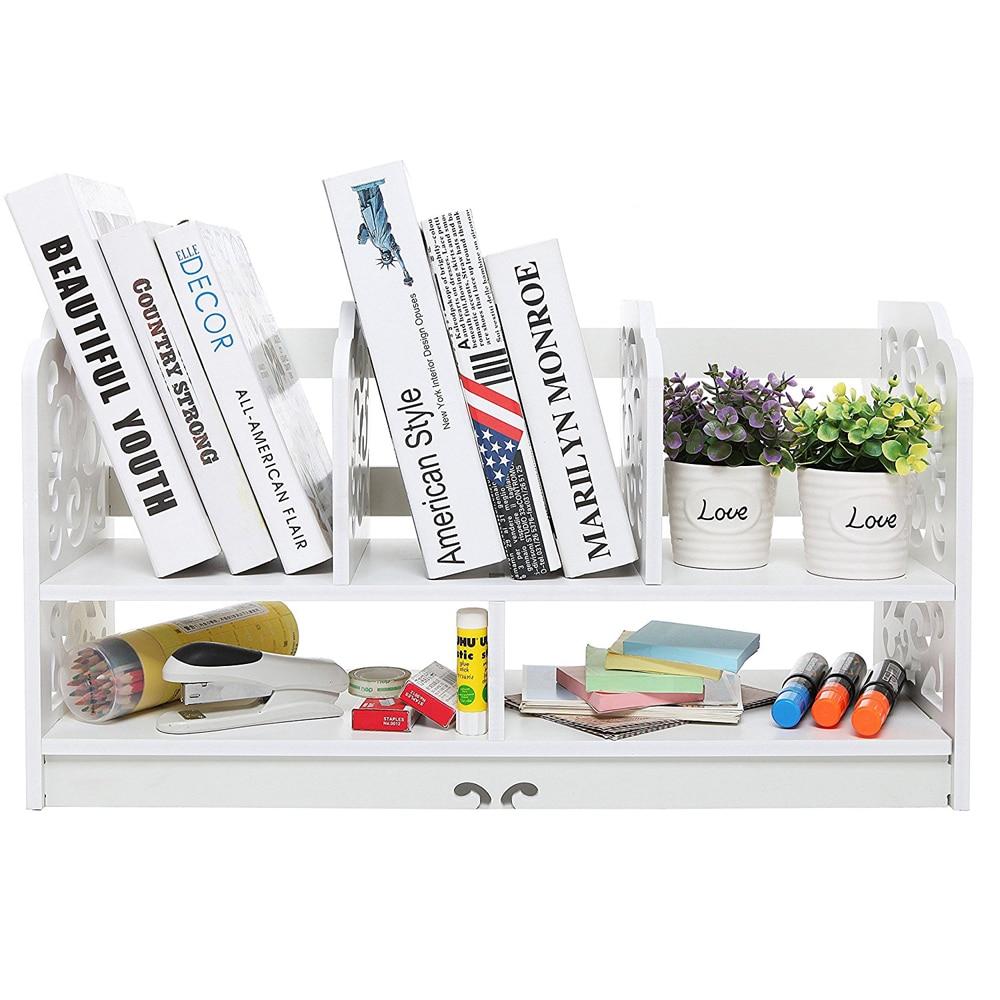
(720, 518)
(855, 524)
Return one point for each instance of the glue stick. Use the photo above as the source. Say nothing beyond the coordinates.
(472, 653)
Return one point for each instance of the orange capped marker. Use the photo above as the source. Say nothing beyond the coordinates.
(877, 698)
(839, 688)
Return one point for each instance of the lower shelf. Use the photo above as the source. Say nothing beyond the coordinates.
(908, 733)
(536, 764)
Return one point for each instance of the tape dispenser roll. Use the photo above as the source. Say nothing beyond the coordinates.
(377, 682)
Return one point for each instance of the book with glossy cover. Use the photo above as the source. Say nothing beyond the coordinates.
(186, 395)
(415, 370)
(485, 372)
(705, 645)
(256, 386)
(60, 220)
(560, 404)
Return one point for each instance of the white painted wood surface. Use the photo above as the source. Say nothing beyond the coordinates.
(529, 783)
(907, 733)
(392, 570)
(75, 571)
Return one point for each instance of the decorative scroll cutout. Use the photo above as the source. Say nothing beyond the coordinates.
(917, 635)
(524, 787)
(69, 625)
(634, 430)
(468, 787)
(73, 501)
(360, 374)
(921, 357)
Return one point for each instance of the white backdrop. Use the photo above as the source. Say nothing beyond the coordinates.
(767, 164)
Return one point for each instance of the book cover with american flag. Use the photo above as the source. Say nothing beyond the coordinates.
(484, 369)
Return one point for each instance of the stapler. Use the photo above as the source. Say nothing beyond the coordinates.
(257, 688)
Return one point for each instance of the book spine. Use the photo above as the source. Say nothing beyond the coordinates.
(61, 239)
(296, 531)
(415, 369)
(561, 407)
(484, 370)
(187, 397)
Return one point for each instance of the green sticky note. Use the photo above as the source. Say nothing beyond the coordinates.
(634, 681)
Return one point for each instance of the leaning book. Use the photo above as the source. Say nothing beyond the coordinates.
(494, 406)
(60, 221)
(255, 385)
(186, 395)
(415, 370)
(560, 403)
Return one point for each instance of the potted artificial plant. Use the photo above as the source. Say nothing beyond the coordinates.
(855, 457)
(726, 440)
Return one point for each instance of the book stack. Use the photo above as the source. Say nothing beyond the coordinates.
(195, 399)
(486, 388)
(479, 361)
(664, 671)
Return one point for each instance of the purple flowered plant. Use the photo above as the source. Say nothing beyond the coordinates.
(729, 419)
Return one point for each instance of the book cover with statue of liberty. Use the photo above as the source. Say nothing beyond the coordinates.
(415, 370)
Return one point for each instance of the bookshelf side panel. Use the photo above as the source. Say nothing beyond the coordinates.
(917, 344)
(352, 382)
(66, 470)
(641, 464)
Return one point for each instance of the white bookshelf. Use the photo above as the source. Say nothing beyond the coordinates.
(77, 570)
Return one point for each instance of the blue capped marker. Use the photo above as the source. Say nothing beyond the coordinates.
(799, 689)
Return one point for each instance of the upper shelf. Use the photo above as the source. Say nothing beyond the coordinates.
(391, 570)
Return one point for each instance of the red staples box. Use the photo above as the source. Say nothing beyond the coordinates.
(432, 693)
(382, 715)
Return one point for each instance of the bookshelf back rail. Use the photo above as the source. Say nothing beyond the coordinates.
(815, 353)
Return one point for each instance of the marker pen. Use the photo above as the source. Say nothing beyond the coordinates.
(798, 690)
(838, 690)
(877, 698)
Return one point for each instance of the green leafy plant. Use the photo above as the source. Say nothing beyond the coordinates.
(850, 432)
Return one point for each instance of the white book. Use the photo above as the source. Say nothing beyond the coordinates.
(494, 406)
(415, 370)
(270, 421)
(60, 220)
(560, 403)
(186, 395)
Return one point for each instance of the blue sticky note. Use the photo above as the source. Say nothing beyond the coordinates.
(703, 645)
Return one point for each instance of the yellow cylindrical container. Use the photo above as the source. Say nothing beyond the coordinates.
(472, 656)
(120, 674)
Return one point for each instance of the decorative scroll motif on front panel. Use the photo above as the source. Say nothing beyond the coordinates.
(916, 635)
(73, 502)
(360, 375)
(634, 429)
(922, 357)
(65, 627)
